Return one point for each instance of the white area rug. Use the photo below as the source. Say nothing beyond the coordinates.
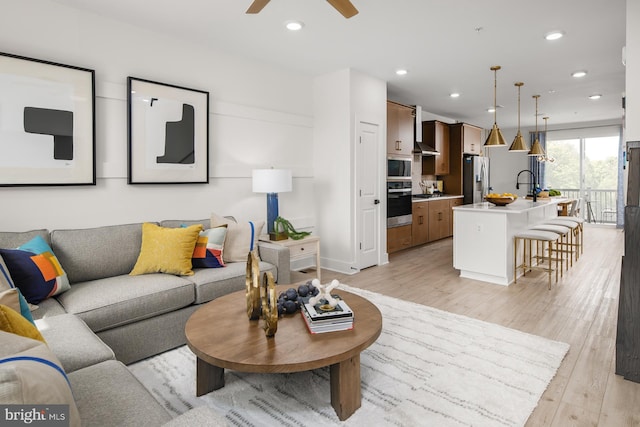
(427, 368)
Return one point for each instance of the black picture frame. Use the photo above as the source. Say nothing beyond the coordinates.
(47, 123)
(168, 133)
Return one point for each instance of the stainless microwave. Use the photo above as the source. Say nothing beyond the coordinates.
(398, 168)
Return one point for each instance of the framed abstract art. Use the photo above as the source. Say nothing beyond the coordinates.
(47, 123)
(168, 133)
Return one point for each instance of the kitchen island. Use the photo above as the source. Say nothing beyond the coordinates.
(483, 236)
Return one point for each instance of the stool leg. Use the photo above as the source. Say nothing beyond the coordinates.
(515, 260)
(550, 257)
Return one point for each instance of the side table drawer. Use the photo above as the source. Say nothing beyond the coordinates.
(303, 249)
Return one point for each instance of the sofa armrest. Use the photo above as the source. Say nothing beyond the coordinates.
(200, 416)
(279, 256)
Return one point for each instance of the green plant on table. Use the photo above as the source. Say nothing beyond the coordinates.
(284, 225)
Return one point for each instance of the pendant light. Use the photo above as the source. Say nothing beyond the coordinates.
(546, 157)
(536, 148)
(495, 138)
(518, 144)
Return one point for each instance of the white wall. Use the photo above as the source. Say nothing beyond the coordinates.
(260, 116)
(340, 99)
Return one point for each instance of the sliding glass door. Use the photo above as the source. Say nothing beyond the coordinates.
(587, 167)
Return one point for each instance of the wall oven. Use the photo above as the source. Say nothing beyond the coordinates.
(398, 203)
(398, 168)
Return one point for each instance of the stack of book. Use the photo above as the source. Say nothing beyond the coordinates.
(320, 319)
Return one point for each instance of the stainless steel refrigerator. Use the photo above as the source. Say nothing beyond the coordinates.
(475, 178)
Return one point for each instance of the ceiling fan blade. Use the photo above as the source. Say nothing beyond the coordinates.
(257, 6)
(344, 7)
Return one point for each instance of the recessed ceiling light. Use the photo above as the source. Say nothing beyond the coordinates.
(595, 96)
(578, 74)
(294, 25)
(454, 95)
(401, 72)
(554, 35)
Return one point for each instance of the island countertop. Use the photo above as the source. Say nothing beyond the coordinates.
(517, 207)
(483, 233)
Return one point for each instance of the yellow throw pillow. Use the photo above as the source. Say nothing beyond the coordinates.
(166, 250)
(12, 321)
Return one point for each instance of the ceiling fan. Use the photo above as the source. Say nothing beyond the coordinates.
(343, 6)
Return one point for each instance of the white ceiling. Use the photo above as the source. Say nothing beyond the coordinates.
(447, 46)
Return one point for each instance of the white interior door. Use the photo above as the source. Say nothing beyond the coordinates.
(368, 201)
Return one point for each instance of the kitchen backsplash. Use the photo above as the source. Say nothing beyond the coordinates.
(417, 178)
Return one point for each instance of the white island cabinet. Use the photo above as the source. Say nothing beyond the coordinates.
(483, 236)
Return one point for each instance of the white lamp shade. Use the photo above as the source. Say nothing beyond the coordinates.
(272, 180)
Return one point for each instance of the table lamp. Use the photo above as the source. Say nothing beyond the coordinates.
(272, 182)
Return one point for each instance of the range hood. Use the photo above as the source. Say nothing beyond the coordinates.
(421, 147)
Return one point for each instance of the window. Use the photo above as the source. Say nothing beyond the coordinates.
(586, 165)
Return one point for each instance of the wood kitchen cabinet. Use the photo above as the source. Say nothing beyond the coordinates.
(420, 224)
(436, 134)
(400, 133)
(469, 136)
(452, 203)
(439, 219)
(463, 138)
(398, 238)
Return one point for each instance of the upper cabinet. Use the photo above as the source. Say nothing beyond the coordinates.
(400, 138)
(469, 136)
(436, 134)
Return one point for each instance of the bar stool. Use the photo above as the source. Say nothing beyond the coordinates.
(579, 232)
(563, 242)
(576, 246)
(528, 237)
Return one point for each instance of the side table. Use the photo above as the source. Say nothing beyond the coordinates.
(305, 247)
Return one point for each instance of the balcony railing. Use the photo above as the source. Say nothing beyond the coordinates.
(598, 206)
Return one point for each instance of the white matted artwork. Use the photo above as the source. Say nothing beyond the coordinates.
(47, 123)
(168, 133)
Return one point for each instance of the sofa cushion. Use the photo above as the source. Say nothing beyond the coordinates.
(107, 303)
(13, 239)
(166, 250)
(13, 322)
(73, 343)
(47, 308)
(211, 283)
(30, 374)
(96, 253)
(175, 223)
(35, 269)
(108, 394)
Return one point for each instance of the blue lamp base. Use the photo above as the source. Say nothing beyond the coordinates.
(272, 211)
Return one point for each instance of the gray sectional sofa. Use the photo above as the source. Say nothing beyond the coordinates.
(109, 319)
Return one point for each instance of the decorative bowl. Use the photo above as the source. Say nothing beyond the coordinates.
(501, 201)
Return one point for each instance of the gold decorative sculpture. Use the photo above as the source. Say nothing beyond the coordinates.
(269, 305)
(253, 286)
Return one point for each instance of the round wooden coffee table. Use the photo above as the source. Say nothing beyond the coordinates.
(222, 337)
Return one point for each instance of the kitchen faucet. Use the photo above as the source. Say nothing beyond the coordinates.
(535, 183)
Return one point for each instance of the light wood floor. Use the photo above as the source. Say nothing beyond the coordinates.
(580, 310)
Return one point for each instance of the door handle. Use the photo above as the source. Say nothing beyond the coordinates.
(376, 202)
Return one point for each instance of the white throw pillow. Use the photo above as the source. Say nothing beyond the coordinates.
(33, 375)
(241, 237)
